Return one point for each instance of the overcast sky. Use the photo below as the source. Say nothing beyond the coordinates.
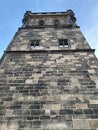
(12, 11)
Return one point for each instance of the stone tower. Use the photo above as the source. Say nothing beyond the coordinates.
(49, 76)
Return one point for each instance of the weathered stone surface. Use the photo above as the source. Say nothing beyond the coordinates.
(80, 124)
(93, 123)
(49, 87)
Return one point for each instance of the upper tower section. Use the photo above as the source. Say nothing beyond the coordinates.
(49, 19)
(48, 31)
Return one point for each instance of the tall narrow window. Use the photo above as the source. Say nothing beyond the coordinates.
(34, 44)
(63, 42)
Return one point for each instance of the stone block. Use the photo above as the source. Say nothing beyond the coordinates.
(79, 111)
(37, 112)
(29, 117)
(93, 124)
(94, 116)
(36, 124)
(80, 124)
(88, 111)
(65, 111)
(81, 106)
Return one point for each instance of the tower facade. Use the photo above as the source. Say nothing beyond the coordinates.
(49, 76)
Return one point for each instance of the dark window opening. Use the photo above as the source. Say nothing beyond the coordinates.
(63, 42)
(34, 44)
(41, 22)
(56, 22)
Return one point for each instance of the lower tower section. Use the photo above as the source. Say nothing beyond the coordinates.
(48, 91)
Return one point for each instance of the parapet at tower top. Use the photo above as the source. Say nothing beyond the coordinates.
(68, 17)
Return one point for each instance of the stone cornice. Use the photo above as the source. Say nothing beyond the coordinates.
(51, 51)
(48, 26)
(48, 14)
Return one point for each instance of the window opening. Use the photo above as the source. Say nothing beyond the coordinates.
(56, 23)
(34, 44)
(63, 42)
(41, 22)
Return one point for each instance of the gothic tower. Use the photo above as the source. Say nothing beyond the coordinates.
(49, 76)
